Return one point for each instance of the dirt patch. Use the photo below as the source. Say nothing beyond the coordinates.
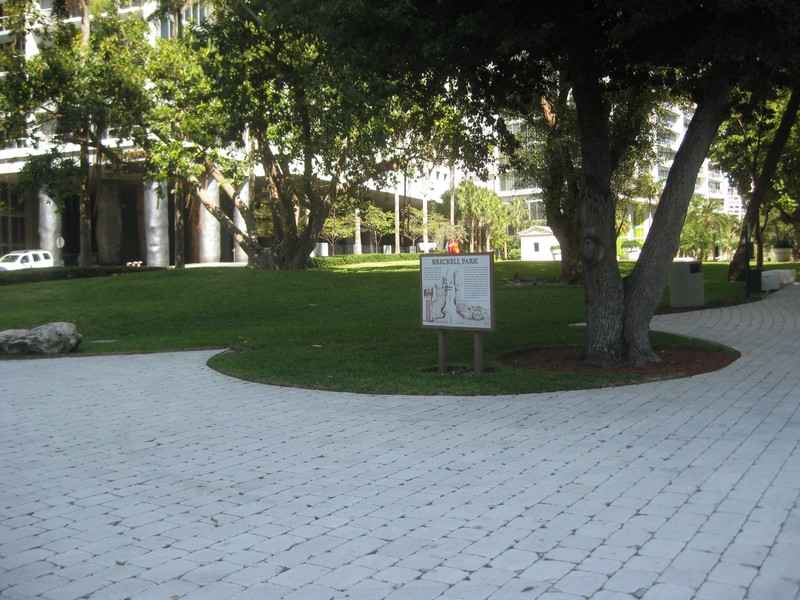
(674, 362)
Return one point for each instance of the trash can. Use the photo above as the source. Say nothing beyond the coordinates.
(752, 279)
(686, 287)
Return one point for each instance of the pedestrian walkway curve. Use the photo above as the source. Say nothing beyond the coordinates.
(154, 477)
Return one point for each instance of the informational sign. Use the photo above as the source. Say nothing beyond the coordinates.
(458, 291)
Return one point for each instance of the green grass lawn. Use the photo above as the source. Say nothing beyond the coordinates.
(352, 327)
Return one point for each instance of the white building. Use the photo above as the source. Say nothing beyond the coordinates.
(711, 183)
(538, 243)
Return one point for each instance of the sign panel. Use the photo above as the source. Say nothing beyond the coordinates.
(457, 291)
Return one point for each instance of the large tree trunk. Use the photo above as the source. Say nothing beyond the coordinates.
(561, 188)
(179, 226)
(561, 203)
(645, 285)
(86, 26)
(568, 234)
(762, 186)
(85, 205)
(618, 314)
(603, 288)
(295, 243)
(248, 240)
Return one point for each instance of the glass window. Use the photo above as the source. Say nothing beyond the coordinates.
(536, 208)
(17, 233)
(12, 221)
(507, 182)
(166, 28)
(195, 12)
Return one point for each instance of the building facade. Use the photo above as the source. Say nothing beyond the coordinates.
(132, 219)
(711, 183)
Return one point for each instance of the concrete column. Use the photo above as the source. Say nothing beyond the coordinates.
(397, 221)
(108, 229)
(425, 221)
(208, 229)
(239, 255)
(156, 224)
(357, 248)
(50, 237)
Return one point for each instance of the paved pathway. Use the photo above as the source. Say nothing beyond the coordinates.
(153, 477)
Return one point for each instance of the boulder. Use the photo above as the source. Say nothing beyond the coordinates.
(51, 338)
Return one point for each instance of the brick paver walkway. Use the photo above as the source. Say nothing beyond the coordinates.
(154, 477)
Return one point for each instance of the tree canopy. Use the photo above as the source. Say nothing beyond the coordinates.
(750, 149)
(545, 154)
(84, 91)
(317, 128)
(484, 51)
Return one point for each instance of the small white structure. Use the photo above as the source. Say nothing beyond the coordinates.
(774, 279)
(535, 243)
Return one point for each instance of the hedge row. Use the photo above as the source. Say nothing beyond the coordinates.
(34, 275)
(327, 262)
(321, 262)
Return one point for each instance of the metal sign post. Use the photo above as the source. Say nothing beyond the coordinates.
(442, 351)
(478, 352)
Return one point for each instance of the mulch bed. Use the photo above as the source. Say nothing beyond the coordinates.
(674, 362)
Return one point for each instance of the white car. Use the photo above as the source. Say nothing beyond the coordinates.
(26, 259)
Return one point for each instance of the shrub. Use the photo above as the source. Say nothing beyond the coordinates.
(54, 273)
(631, 244)
(323, 262)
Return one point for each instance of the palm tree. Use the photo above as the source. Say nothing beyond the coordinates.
(706, 226)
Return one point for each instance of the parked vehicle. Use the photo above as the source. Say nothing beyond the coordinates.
(26, 259)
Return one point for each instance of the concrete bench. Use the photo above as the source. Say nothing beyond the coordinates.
(773, 280)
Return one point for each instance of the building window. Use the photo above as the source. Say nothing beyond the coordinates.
(665, 155)
(667, 138)
(167, 28)
(12, 221)
(195, 13)
(536, 208)
(508, 182)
